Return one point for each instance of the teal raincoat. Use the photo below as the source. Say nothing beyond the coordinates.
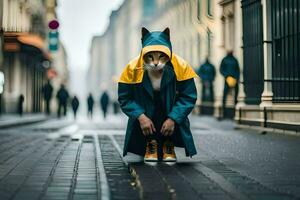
(178, 94)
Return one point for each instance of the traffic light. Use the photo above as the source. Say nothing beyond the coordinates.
(53, 35)
(53, 40)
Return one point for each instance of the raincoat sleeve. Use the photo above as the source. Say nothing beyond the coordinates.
(185, 101)
(127, 104)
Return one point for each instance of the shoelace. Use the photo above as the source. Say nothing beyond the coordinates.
(152, 146)
(169, 148)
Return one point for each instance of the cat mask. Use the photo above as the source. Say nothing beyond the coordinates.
(157, 48)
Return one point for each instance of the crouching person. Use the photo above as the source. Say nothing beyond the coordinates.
(157, 92)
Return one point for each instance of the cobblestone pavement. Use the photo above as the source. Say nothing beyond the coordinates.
(65, 160)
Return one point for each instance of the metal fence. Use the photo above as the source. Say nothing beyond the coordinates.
(286, 50)
(253, 71)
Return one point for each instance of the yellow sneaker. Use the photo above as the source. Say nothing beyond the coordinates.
(151, 152)
(169, 152)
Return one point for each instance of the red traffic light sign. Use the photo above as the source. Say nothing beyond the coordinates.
(53, 24)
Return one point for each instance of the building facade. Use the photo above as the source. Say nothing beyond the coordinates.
(58, 71)
(203, 29)
(271, 51)
(26, 59)
(1, 56)
(24, 27)
(120, 40)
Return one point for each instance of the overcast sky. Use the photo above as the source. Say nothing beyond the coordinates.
(79, 21)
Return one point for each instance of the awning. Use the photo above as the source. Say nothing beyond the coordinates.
(35, 41)
(32, 40)
(12, 42)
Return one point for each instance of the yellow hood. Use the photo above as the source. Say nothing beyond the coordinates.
(134, 71)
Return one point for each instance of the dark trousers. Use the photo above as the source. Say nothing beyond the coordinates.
(60, 107)
(90, 113)
(74, 112)
(225, 94)
(158, 119)
(207, 92)
(47, 106)
(20, 110)
(104, 110)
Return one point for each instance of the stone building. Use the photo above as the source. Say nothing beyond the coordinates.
(200, 29)
(271, 64)
(1, 56)
(58, 71)
(24, 27)
(26, 57)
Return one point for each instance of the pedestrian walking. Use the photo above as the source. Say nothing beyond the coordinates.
(157, 91)
(75, 105)
(47, 94)
(104, 101)
(20, 104)
(90, 103)
(207, 73)
(231, 71)
(62, 100)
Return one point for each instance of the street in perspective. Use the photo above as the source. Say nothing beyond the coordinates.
(149, 99)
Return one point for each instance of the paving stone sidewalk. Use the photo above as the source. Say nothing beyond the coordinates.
(85, 162)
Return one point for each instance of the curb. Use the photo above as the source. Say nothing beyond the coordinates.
(263, 130)
(21, 123)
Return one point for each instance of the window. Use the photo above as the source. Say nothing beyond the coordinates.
(285, 50)
(191, 11)
(198, 47)
(209, 7)
(223, 20)
(209, 36)
(199, 9)
(253, 70)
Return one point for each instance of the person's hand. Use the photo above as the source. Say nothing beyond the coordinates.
(167, 128)
(146, 125)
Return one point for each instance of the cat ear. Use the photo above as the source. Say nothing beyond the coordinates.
(144, 32)
(167, 32)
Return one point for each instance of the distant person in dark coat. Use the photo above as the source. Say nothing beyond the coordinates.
(47, 92)
(104, 101)
(231, 71)
(20, 104)
(90, 102)
(62, 98)
(75, 105)
(207, 73)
